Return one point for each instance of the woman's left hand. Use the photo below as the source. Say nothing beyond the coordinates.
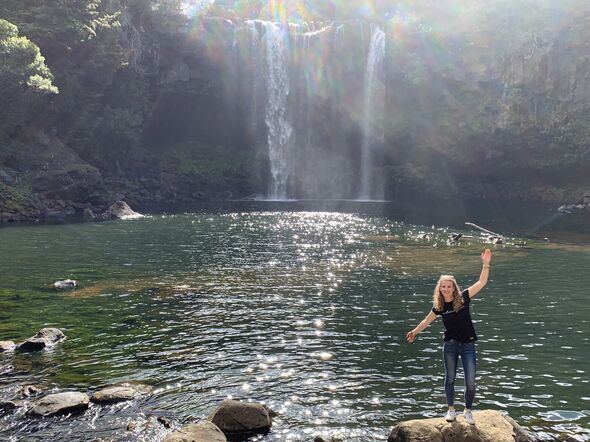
(486, 256)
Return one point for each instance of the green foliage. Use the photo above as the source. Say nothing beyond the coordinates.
(71, 20)
(22, 65)
(13, 200)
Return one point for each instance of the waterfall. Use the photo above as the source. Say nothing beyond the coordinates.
(275, 44)
(374, 63)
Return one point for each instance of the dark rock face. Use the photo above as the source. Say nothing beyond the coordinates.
(235, 417)
(200, 432)
(60, 403)
(44, 338)
(490, 426)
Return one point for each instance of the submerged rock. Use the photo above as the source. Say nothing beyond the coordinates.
(60, 403)
(46, 337)
(201, 432)
(490, 426)
(6, 346)
(29, 390)
(7, 406)
(65, 284)
(7, 368)
(235, 417)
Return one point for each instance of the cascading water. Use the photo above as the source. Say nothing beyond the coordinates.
(275, 44)
(374, 63)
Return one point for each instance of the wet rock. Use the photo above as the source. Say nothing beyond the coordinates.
(235, 417)
(46, 337)
(490, 426)
(88, 214)
(165, 421)
(7, 368)
(119, 210)
(6, 346)
(60, 403)
(201, 432)
(9, 405)
(118, 393)
(29, 390)
(65, 284)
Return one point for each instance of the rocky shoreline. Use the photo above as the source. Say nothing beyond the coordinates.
(232, 419)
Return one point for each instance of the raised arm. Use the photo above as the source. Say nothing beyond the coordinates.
(411, 335)
(486, 257)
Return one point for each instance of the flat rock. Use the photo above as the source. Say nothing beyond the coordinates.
(200, 432)
(490, 426)
(44, 338)
(111, 395)
(6, 346)
(60, 403)
(242, 417)
(65, 284)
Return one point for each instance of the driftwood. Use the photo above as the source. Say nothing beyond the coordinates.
(489, 232)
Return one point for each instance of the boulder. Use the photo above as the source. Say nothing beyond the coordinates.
(65, 284)
(235, 417)
(46, 337)
(119, 210)
(490, 426)
(118, 393)
(60, 403)
(200, 432)
(6, 346)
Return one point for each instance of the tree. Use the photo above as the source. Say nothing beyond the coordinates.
(22, 66)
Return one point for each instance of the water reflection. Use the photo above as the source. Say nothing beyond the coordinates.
(303, 311)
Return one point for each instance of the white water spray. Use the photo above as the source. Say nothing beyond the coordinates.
(374, 63)
(275, 41)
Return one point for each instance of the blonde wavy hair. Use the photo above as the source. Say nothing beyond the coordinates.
(438, 298)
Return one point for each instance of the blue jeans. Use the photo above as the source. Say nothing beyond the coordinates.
(451, 351)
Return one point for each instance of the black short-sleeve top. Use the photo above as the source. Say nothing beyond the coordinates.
(458, 324)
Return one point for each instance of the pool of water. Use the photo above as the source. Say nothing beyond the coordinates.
(305, 311)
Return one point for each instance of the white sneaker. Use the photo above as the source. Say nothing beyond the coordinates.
(450, 416)
(468, 415)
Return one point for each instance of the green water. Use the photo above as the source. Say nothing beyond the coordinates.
(304, 311)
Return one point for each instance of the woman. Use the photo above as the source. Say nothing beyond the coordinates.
(459, 339)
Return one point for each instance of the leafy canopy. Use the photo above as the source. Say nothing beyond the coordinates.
(22, 66)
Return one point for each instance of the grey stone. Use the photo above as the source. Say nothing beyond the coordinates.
(29, 390)
(242, 417)
(490, 426)
(60, 403)
(65, 284)
(44, 338)
(6, 346)
(200, 432)
(119, 393)
(112, 395)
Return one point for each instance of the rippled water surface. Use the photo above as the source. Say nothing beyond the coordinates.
(304, 311)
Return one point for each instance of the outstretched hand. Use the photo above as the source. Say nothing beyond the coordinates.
(486, 256)
(410, 336)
